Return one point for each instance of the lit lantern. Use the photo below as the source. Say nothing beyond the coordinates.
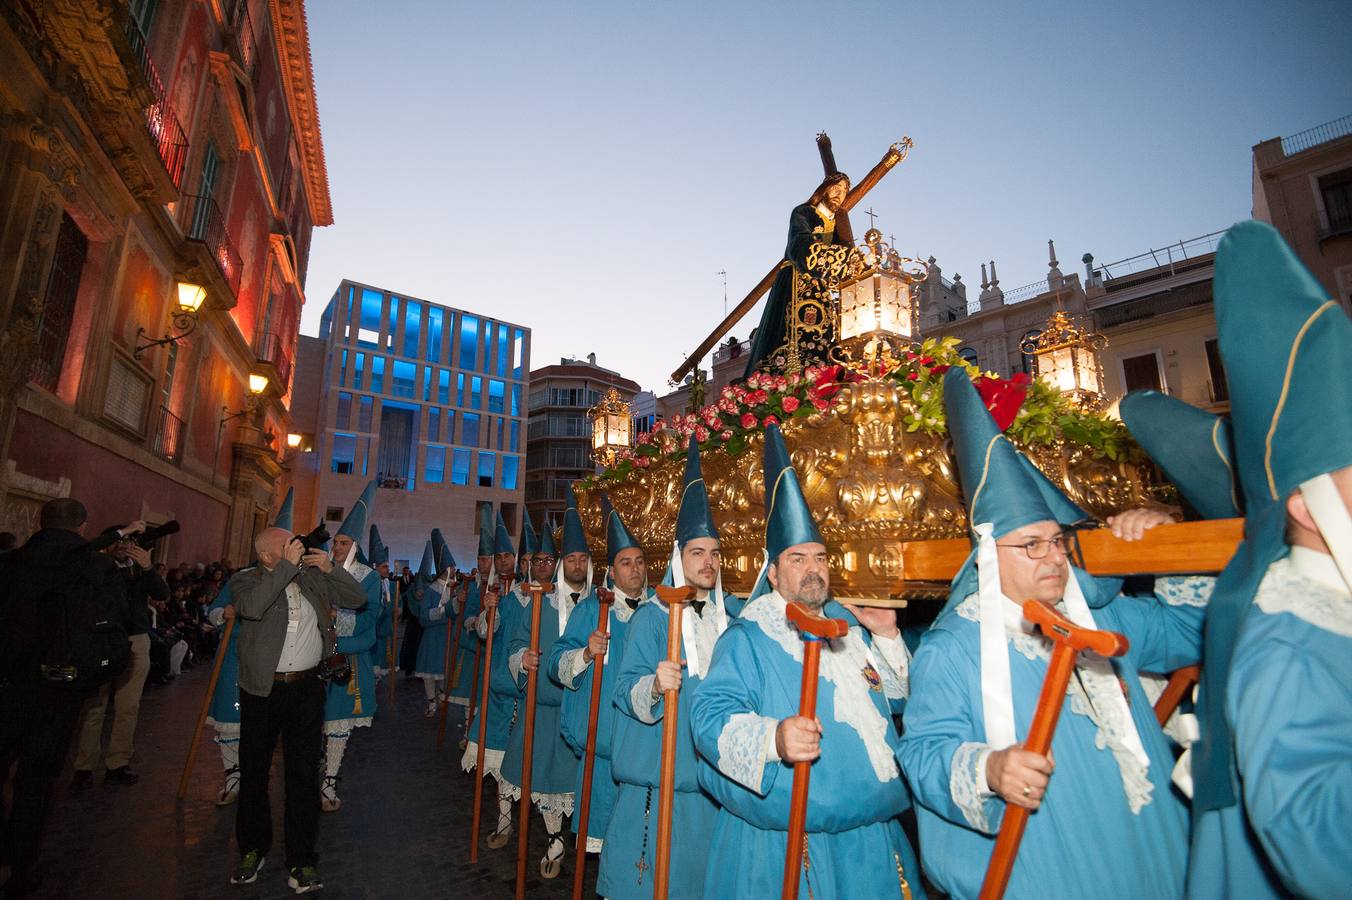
(293, 440)
(190, 296)
(257, 383)
(876, 309)
(611, 428)
(1066, 356)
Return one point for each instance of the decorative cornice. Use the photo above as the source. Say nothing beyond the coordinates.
(293, 54)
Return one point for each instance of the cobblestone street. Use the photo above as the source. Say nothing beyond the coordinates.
(402, 832)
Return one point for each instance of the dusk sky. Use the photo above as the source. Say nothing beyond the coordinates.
(587, 169)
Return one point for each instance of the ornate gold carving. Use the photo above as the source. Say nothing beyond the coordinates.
(870, 483)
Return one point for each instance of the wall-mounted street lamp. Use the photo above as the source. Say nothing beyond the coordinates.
(258, 384)
(190, 299)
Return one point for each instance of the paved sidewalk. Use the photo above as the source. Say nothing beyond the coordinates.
(402, 833)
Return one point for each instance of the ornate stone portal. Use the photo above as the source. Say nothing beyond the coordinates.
(871, 484)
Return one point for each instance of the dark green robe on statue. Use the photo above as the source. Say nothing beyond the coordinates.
(806, 227)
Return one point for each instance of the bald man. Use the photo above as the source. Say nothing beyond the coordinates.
(287, 601)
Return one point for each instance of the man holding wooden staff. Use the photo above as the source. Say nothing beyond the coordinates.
(431, 603)
(554, 767)
(572, 664)
(378, 557)
(644, 675)
(747, 726)
(505, 695)
(1272, 773)
(1107, 823)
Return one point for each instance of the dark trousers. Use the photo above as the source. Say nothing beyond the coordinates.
(37, 725)
(295, 712)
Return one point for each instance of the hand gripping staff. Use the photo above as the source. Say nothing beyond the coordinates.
(452, 653)
(1069, 639)
(589, 757)
(394, 639)
(505, 586)
(478, 658)
(813, 630)
(537, 592)
(206, 707)
(675, 598)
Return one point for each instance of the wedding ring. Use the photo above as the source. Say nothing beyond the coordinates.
(1027, 790)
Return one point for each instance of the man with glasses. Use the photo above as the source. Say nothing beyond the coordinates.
(1107, 821)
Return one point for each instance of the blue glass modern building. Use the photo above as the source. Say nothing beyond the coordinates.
(427, 399)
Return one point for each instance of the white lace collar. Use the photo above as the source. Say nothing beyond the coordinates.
(1291, 586)
(1318, 567)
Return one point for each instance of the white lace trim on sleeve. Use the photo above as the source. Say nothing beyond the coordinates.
(572, 663)
(967, 784)
(741, 748)
(641, 699)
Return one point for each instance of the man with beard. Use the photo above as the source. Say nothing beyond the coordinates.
(645, 674)
(553, 765)
(810, 223)
(572, 666)
(505, 695)
(748, 731)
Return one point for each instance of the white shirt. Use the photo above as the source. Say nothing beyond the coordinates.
(304, 646)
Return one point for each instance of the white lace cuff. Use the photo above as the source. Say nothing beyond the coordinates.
(217, 617)
(1185, 590)
(742, 748)
(968, 787)
(437, 613)
(896, 656)
(514, 664)
(572, 663)
(646, 709)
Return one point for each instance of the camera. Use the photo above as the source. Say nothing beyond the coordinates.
(148, 537)
(316, 539)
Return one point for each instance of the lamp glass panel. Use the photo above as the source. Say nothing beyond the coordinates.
(190, 296)
(856, 309)
(1088, 369)
(293, 440)
(258, 384)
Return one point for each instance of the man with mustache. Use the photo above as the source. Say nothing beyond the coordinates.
(645, 674)
(810, 223)
(1107, 820)
(748, 731)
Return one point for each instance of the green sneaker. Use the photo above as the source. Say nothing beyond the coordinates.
(249, 864)
(304, 879)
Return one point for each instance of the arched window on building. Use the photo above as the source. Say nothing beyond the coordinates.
(969, 354)
(1025, 358)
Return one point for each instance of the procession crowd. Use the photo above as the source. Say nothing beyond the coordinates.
(669, 729)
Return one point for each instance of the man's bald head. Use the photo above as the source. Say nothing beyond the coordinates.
(270, 544)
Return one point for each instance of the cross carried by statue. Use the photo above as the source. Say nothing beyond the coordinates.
(822, 222)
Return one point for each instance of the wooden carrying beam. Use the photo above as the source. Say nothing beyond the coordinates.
(1186, 548)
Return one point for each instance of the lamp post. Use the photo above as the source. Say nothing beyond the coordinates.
(876, 310)
(1066, 357)
(190, 299)
(611, 428)
(258, 384)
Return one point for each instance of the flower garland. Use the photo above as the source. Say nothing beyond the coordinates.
(1028, 410)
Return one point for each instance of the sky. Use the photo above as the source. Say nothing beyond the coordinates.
(587, 169)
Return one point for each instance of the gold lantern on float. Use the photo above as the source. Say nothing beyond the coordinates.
(1066, 357)
(611, 428)
(876, 309)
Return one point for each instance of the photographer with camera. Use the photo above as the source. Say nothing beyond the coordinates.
(287, 601)
(62, 634)
(127, 545)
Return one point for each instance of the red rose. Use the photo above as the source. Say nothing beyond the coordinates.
(912, 376)
(770, 420)
(821, 403)
(939, 370)
(748, 420)
(701, 433)
(789, 404)
(726, 435)
(1003, 397)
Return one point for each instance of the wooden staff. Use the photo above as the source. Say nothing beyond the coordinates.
(1069, 639)
(1174, 691)
(506, 586)
(895, 154)
(394, 638)
(537, 592)
(606, 598)
(813, 630)
(452, 654)
(206, 707)
(674, 598)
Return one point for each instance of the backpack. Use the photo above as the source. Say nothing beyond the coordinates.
(63, 631)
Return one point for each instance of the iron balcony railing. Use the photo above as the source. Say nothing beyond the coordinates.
(1339, 222)
(1313, 137)
(241, 24)
(168, 436)
(165, 131)
(1027, 291)
(1172, 256)
(206, 225)
(276, 352)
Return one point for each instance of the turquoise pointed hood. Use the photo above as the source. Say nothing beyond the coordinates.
(284, 514)
(529, 543)
(788, 521)
(485, 531)
(617, 535)
(428, 570)
(354, 526)
(441, 552)
(378, 552)
(547, 542)
(502, 538)
(1193, 447)
(574, 538)
(1287, 350)
(694, 520)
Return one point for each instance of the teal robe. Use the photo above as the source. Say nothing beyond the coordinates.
(224, 712)
(352, 703)
(432, 615)
(856, 847)
(463, 666)
(504, 691)
(1289, 702)
(1085, 831)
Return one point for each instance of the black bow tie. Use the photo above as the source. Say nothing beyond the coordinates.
(698, 606)
(632, 601)
(574, 595)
